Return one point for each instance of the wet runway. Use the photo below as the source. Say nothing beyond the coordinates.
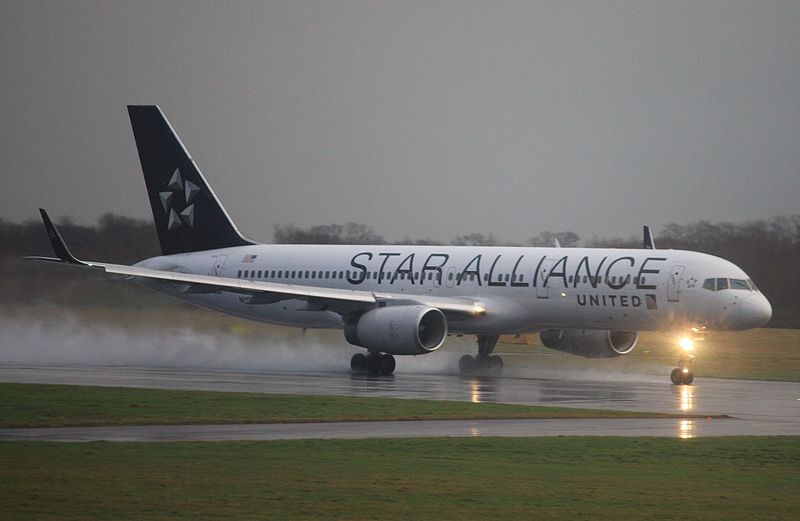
(756, 408)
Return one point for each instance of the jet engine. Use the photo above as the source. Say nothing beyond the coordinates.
(591, 343)
(399, 330)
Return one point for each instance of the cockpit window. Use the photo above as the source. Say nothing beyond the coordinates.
(720, 284)
(739, 284)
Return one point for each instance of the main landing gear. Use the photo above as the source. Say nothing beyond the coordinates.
(372, 363)
(485, 364)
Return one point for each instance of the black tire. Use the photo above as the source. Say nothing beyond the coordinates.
(676, 376)
(688, 378)
(374, 364)
(358, 363)
(466, 364)
(494, 366)
(387, 364)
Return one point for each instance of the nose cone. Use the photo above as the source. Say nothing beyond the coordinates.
(755, 311)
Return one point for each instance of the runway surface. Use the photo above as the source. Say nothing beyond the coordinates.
(756, 408)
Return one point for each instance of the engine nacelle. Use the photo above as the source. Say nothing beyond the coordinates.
(399, 330)
(591, 343)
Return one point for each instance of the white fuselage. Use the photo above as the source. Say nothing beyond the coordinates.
(524, 289)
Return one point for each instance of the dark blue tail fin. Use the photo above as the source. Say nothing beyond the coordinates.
(188, 215)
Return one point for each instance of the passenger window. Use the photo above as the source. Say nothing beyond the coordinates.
(507, 276)
(239, 274)
(722, 284)
(709, 284)
(450, 276)
(259, 274)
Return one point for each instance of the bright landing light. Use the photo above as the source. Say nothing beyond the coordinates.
(687, 344)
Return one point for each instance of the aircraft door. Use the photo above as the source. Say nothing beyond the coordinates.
(219, 262)
(542, 291)
(674, 283)
(450, 276)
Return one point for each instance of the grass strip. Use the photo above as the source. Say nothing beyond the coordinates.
(32, 405)
(438, 478)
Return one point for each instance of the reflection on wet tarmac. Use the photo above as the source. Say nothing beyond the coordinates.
(554, 391)
(482, 390)
(685, 397)
(685, 429)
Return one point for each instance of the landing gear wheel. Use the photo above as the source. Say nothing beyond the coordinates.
(681, 376)
(484, 364)
(466, 364)
(481, 365)
(387, 364)
(358, 363)
(374, 364)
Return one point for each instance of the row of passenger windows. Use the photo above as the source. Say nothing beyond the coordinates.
(312, 274)
(718, 284)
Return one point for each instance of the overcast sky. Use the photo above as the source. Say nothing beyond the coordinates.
(423, 119)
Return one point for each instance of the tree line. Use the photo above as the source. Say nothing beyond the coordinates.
(768, 250)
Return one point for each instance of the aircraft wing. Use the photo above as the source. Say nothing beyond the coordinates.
(342, 301)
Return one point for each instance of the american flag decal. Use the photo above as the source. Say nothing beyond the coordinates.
(248, 259)
(651, 301)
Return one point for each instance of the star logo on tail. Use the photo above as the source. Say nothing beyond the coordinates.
(177, 201)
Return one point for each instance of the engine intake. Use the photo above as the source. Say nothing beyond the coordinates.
(591, 343)
(399, 330)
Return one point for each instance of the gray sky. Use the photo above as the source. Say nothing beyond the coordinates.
(423, 119)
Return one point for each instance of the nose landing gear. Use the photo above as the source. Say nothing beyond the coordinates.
(683, 375)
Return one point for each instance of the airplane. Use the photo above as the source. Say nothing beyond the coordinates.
(405, 300)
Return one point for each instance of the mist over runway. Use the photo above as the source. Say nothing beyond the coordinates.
(51, 347)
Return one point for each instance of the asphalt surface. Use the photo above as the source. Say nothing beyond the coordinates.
(755, 408)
